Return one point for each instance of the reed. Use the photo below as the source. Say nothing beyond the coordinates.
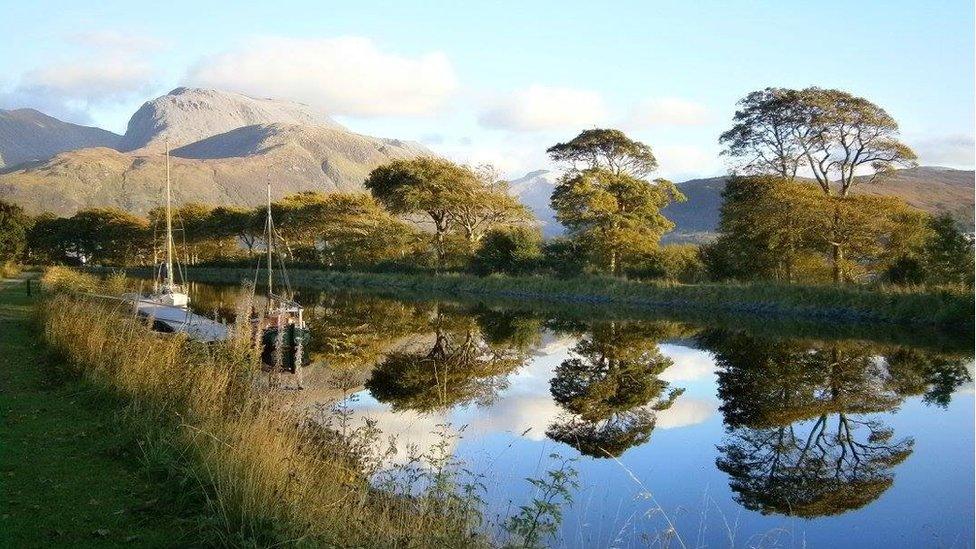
(264, 471)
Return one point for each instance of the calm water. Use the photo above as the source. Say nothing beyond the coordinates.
(734, 434)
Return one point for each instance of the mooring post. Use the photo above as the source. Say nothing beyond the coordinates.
(28, 281)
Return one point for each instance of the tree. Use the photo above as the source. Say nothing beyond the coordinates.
(948, 253)
(605, 149)
(512, 250)
(610, 389)
(765, 230)
(108, 235)
(605, 202)
(244, 224)
(486, 204)
(15, 225)
(615, 216)
(427, 185)
(830, 133)
(459, 367)
(783, 452)
(763, 139)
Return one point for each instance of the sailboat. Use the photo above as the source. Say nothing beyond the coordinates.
(165, 289)
(283, 332)
(167, 306)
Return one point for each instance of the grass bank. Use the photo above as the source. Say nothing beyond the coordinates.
(258, 469)
(946, 309)
(70, 475)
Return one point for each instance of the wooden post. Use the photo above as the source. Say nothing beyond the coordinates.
(28, 281)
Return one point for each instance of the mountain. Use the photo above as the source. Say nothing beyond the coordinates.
(29, 135)
(533, 190)
(932, 189)
(187, 115)
(212, 160)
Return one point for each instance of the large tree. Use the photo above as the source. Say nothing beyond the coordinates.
(605, 149)
(14, 227)
(830, 134)
(605, 202)
(485, 204)
(428, 186)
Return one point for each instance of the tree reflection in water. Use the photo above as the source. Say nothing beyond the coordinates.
(610, 389)
(802, 436)
(458, 366)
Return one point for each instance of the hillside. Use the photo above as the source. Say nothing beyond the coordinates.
(29, 135)
(229, 167)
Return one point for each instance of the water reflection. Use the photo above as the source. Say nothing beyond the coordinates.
(805, 434)
(800, 425)
(453, 364)
(610, 388)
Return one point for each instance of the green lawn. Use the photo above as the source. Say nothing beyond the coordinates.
(68, 478)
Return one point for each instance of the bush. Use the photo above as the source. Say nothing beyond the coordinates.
(511, 250)
(564, 257)
(681, 262)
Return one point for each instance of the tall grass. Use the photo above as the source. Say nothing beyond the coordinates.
(265, 472)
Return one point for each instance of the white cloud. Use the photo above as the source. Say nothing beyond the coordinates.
(685, 412)
(344, 76)
(101, 81)
(101, 68)
(667, 111)
(545, 108)
(954, 151)
(689, 364)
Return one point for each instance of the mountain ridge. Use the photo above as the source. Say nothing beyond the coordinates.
(29, 135)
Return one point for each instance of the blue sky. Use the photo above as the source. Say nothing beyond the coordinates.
(501, 81)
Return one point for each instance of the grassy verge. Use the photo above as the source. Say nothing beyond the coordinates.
(948, 309)
(256, 467)
(70, 476)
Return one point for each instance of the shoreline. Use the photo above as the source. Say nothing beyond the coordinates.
(942, 309)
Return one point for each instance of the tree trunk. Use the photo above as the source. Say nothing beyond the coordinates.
(838, 254)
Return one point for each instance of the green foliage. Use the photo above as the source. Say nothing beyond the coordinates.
(606, 149)
(616, 217)
(563, 257)
(679, 262)
(609, 209)
(540, 518)
(14, 226)
(511, 250)
(772, 228)
(947, 255)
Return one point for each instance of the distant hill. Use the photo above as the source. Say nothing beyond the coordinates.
(28, 135)
(212, 160)
(932, 189)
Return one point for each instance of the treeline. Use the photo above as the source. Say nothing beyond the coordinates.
(429, 214)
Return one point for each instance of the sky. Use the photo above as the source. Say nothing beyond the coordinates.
(501, 81)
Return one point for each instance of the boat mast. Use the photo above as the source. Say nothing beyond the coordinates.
(269, 229)
(169, 226)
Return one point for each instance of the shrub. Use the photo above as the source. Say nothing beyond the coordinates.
(563, 257)
(681, 262)
(511, 250)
